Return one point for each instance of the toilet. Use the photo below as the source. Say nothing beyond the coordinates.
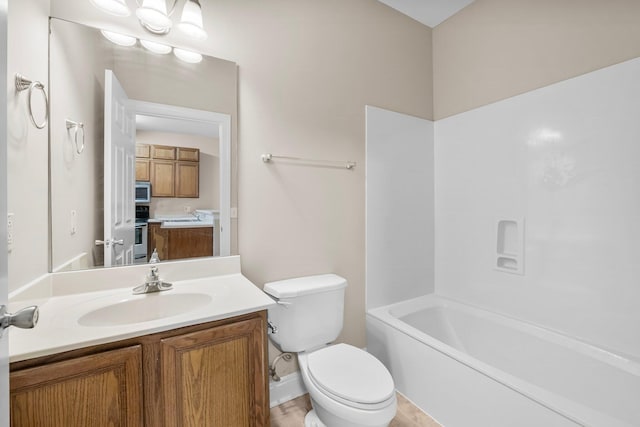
(348, 386)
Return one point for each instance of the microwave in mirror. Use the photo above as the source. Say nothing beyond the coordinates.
(143, 192)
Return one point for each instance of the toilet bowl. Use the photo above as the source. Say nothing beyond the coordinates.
(348, 387)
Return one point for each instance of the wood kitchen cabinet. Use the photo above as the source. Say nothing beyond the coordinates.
(143, 170)
(163, 178)
(187, 179)
(143, 151)
(143, 154)
(188, 154)
(163, 152)
(179, 243)
(172, 171)
(211, 374)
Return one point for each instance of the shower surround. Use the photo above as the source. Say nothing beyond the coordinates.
(560, 166)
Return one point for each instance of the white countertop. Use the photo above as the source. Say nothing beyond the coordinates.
(187, 222)
(58, 329)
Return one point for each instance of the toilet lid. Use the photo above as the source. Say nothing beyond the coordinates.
(351, 374)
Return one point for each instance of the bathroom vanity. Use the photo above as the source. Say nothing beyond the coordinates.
(192, 356)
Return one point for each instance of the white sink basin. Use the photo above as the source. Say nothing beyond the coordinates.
(144, 308)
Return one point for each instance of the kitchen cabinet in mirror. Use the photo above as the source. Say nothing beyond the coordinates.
(188, 112)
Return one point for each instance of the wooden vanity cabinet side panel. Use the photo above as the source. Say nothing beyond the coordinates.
(163, 152)
(216, 377)
(143, 170)
(103, 389)
(163, 178)
(188, 154)
(187, 179)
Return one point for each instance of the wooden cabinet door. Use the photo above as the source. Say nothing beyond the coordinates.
(143, 150)
(216, 377)
(187, 179)
(163, 152)
(190, 242)
(162, 178)
(143, 171)
(188, 154)
(103, 389)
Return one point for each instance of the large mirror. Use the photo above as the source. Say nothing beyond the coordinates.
(141, 152)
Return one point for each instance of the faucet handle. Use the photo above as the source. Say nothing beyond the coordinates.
(154, 257)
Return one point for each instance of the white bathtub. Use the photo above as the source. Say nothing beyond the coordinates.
(469, 367)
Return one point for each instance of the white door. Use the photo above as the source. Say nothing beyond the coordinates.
(119, 174)
(4, 287)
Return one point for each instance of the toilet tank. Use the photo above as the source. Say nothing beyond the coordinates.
(309, 313)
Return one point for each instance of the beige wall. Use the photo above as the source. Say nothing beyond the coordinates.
(27, 147)
(77, 93)
(307, 68)
(494, 49)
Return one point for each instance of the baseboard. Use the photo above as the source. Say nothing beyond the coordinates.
(289, 387)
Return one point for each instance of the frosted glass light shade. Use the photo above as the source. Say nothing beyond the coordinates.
(113, 7)
(155, 47)
(119, 39)
(187, 55)
(153, 16)
(191, 21)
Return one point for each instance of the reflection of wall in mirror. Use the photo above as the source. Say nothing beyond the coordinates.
(209, 172)
(77, 93)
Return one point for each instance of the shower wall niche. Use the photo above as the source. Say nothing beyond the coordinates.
(510, 245)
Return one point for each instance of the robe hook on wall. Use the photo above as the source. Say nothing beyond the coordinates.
(77, 127)
(22, 83)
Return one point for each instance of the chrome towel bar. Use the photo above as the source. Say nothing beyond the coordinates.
(331, 163)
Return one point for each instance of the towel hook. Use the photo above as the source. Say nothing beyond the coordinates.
(76, 126)
(22, 83)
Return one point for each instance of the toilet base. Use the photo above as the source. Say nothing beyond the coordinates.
(312, 420)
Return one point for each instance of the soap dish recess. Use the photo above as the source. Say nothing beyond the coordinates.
(510, 245)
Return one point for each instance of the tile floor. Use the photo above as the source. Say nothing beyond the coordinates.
(291, 414)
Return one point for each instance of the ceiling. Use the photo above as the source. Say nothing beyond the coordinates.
(428, 12)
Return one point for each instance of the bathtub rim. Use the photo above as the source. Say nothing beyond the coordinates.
(573, 411)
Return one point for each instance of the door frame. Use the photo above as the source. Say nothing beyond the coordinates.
(218, 124)
(4, 261)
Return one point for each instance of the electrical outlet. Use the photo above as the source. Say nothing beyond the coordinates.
(234, 213)
(73, 223)
(187, 209)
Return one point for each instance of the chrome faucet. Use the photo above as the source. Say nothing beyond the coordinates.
(152, 282)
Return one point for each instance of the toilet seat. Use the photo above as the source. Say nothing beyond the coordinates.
(351, 376)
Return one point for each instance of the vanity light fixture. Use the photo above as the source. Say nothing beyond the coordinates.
(119, 39)
(112, 7)
(155, 47)
(187, 55)
(155, 15)
(159, 48)
(191, 21)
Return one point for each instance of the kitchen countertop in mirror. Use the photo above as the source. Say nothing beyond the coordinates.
(73, 315)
